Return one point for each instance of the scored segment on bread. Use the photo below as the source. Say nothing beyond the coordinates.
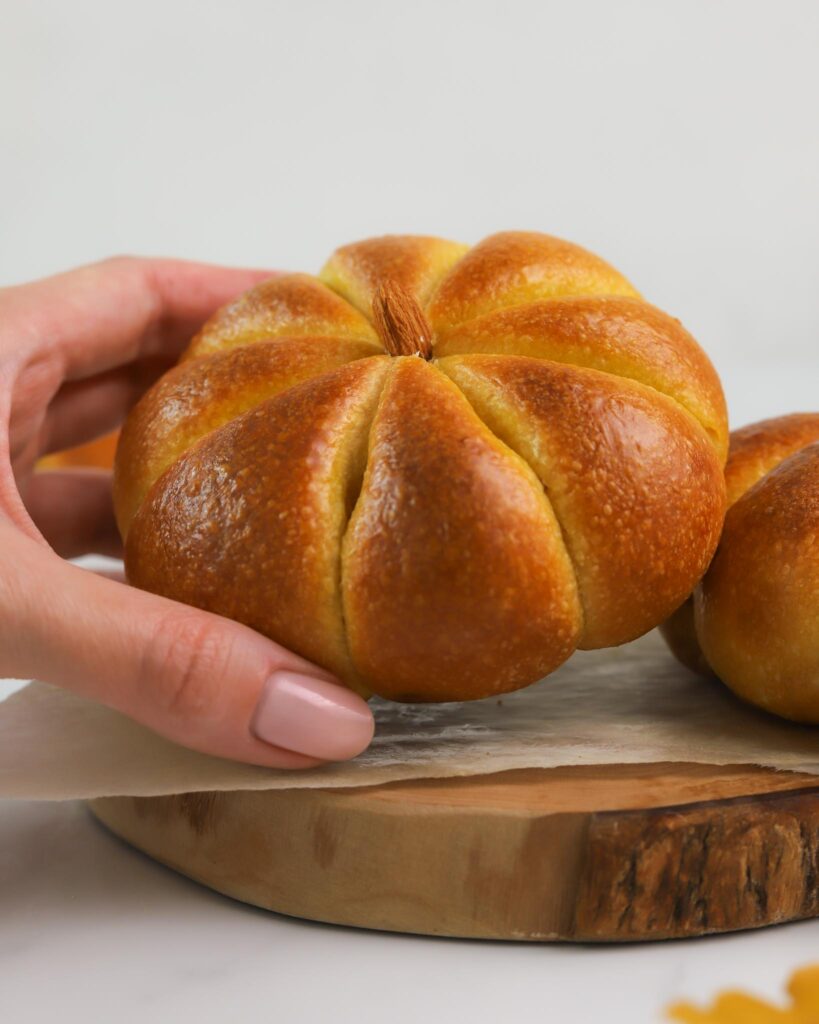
(570, 424)
(760, 447)
(417, 264)
(302, 456)
(200, 396)
(620, 335)
(444, 514)
(516, 267)
(291, 305)
(231, 443)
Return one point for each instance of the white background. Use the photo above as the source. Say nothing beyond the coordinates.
(678, 140)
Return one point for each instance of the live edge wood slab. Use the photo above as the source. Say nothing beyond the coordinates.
(593, 853)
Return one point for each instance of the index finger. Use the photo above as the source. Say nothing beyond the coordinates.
(110, 313)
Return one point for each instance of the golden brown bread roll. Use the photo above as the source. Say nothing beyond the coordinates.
(754, 619)
(434, 470)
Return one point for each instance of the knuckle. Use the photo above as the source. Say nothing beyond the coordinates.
(127, 271)
(187, 660)
(121, 260)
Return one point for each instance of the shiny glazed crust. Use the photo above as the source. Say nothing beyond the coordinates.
(754, 619)
(432, 530)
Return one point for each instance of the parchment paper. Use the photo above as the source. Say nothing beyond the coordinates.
(633, 704)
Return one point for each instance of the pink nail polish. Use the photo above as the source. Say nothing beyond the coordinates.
(311, 716)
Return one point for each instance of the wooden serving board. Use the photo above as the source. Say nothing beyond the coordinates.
(593, 853)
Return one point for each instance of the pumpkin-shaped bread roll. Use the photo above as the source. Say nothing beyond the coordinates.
(754, 618)
(434, 470)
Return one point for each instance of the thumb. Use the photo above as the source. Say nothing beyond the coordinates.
(196, 678)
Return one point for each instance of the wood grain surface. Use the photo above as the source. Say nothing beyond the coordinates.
(593, 853)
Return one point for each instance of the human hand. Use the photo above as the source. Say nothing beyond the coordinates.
(76, 351)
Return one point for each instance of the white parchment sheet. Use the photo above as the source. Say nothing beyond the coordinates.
(628, 705)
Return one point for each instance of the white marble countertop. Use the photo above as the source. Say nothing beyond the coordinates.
(92, 931)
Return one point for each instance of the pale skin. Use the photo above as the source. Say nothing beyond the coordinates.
(76, 351)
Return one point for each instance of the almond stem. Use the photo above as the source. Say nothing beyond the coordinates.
(400, 322)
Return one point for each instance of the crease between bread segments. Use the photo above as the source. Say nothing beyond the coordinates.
(535, 436)
(356, 493)
(543, 493)
(717, 431)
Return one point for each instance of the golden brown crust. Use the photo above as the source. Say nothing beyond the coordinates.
(447, 513)
(760, 447)
(197, 397)
(238, 472)
(620, 335)
(283, 477)
(291, 305)
(757, 611)
(514, 267)
(416, 263)
(755, 450)
(637, 539)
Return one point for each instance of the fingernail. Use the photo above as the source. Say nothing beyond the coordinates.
(311, 716)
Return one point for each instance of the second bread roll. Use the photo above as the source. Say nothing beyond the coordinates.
(754, 618)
